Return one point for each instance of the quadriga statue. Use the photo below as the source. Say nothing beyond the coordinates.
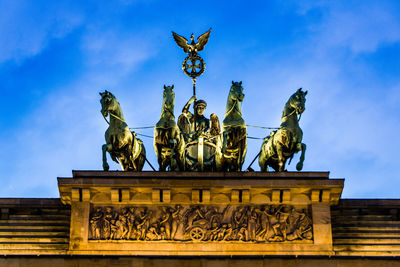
(281, 145)
(169, 144)
(202, 137)
(234, 133)
(122, 144)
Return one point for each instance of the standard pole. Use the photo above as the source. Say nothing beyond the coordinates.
(194, 93)
(194, 86)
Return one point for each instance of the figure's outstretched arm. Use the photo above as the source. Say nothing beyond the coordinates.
(186, 107)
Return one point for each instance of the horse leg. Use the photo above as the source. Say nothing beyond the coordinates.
(106, 148)
(243, 152)
(126, 160)
(158, 149)
(224, 141)
(281, 160)
(180, 153)
(172, 160)
(130, 161)
(302, 147)
(135, 168)
(164, 164)
(140, 160)
(237, 166)
(262, 161)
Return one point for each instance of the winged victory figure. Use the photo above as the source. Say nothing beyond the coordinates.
(192, 48)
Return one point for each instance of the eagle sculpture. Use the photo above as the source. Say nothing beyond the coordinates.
(193, 47)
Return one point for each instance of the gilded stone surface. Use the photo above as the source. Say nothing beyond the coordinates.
(200, 213)
(265, 223)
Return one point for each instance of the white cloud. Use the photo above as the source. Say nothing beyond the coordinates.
(343, 126)
(110, 49)
(26, 27)
(360, 26)
(66, 130)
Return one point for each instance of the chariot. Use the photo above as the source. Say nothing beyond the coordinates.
(201, 229)
(203, 154)
(198, 231)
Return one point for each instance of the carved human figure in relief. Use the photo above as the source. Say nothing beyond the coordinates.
(123, 223)
(243, 233)
(239, 217)
(166, 222)
(194, 214)
(265, 227)
(152, 233)
(212, 234)
(95, 223)
(131, 222)
(176, 219)
(301, 226)
(108, 217)
(114, 227)
(144, 225)
(163, 234)
(281, 227)
(269, 223)
(228, 235)
(252, 224)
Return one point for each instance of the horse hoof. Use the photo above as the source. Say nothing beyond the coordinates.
(299, 166)
(106, 167)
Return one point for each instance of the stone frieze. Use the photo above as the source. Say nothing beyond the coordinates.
(211, 223)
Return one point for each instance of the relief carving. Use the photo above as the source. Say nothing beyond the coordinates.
(261, 223)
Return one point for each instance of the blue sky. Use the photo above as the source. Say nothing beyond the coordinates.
(56, 56)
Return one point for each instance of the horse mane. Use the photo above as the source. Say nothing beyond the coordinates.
(287, 109)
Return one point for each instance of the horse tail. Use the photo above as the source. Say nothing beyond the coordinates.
(140, 160)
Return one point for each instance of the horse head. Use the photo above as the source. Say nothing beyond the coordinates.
(108, 103)
(168, 98)
(297, 101)
(236, 92)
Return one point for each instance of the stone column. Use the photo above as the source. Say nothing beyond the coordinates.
(321, 216)
(79, 224)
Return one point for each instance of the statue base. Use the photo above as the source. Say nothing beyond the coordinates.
(200, 213)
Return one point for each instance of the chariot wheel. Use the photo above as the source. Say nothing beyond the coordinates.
(197, 234)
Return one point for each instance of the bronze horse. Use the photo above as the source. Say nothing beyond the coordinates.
(234, 133)
(169, 144)
(121, 143)
(281, 145)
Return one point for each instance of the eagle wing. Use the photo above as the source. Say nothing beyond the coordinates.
(181, 41)
(202, 40)
(215, 128)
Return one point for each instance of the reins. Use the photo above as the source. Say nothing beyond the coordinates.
(294, 110)
(233, 107)
(115, 116)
